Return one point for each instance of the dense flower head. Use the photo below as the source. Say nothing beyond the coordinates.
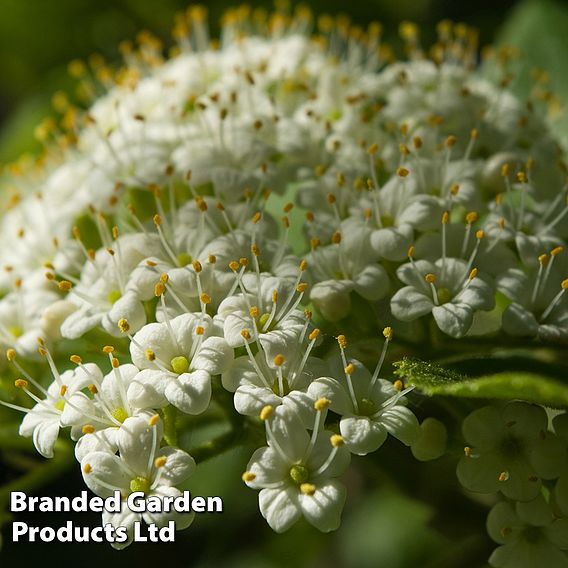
(216, 218)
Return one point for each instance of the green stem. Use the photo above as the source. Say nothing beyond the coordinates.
(170, 427)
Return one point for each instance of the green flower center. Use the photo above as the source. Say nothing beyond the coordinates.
(60, 404)
(285, 387)
(532, 534)
(511, 447)
(140, 484)
(179, 364)
(444, 295)
(183, 259)
(120, 414)
(299, 474)
(113, 296)
(387, 220)
(367, 407)
(16, 331)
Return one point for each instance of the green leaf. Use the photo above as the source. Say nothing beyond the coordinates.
(433, 380)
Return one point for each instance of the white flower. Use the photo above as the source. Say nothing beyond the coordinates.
(539, 299)
(448, 289)
(370, 408)
(177, 359)
(103, 293)
(44, 420)
(511, 451)
(347, 265)
(141, 466)
(297, 473)
(530, 535)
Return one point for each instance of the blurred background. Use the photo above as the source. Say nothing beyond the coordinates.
(393, 519)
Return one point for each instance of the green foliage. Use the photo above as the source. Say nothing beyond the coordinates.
(433, 380)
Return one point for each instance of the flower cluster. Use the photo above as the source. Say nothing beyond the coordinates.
(514, 452)
(408, 193)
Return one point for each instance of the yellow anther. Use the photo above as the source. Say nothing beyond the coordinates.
(480, 234)
(266, 412)
(445, 217)
(256, 217)
(243, 261)
(430, 278)
(211, 259)
(234, 265)
(164, 278)
(199, 330)
(201, 204)
(410, 252)
(88, 429)
(92, 389)
(503, 476)
(314, 334)
(467, 452)
(473, 273)
(255, 250)
(322, 404)
(10, 354)
(337, 440)
(154, 420)
(42, 351)
(160, 462)
(342, 340)
(245, 334)
(402, 172)
(151, 263)
(254, 312)
(205, 298)
(387, 333)
(108, 349)
(115, 233)
(65, 285)
(336, 238)
(349, 369)
(288, 207)
(159, 289)
(87, 469)
(474, 134)
(505, 169)
(279, 360)
(75, 359)
(248, 476)
(21, 384)
(451, 141)
(501, 223)
(417, 142)
(331, 199)
(308, 314)
(373, 149)
(408, 31)
(309, 216)
(157, 220)
(455, 188)
(150, 355)
(303, 265)
(197, 266)
(340, 179)
(301, 287)
(564, 284)
(403, 149)
(62, 390)
(543, 259)
(471, 217)
(308, 488)
(123, 325)
(522, 177)
(556, 251)
(115, 363)
(398, 385)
